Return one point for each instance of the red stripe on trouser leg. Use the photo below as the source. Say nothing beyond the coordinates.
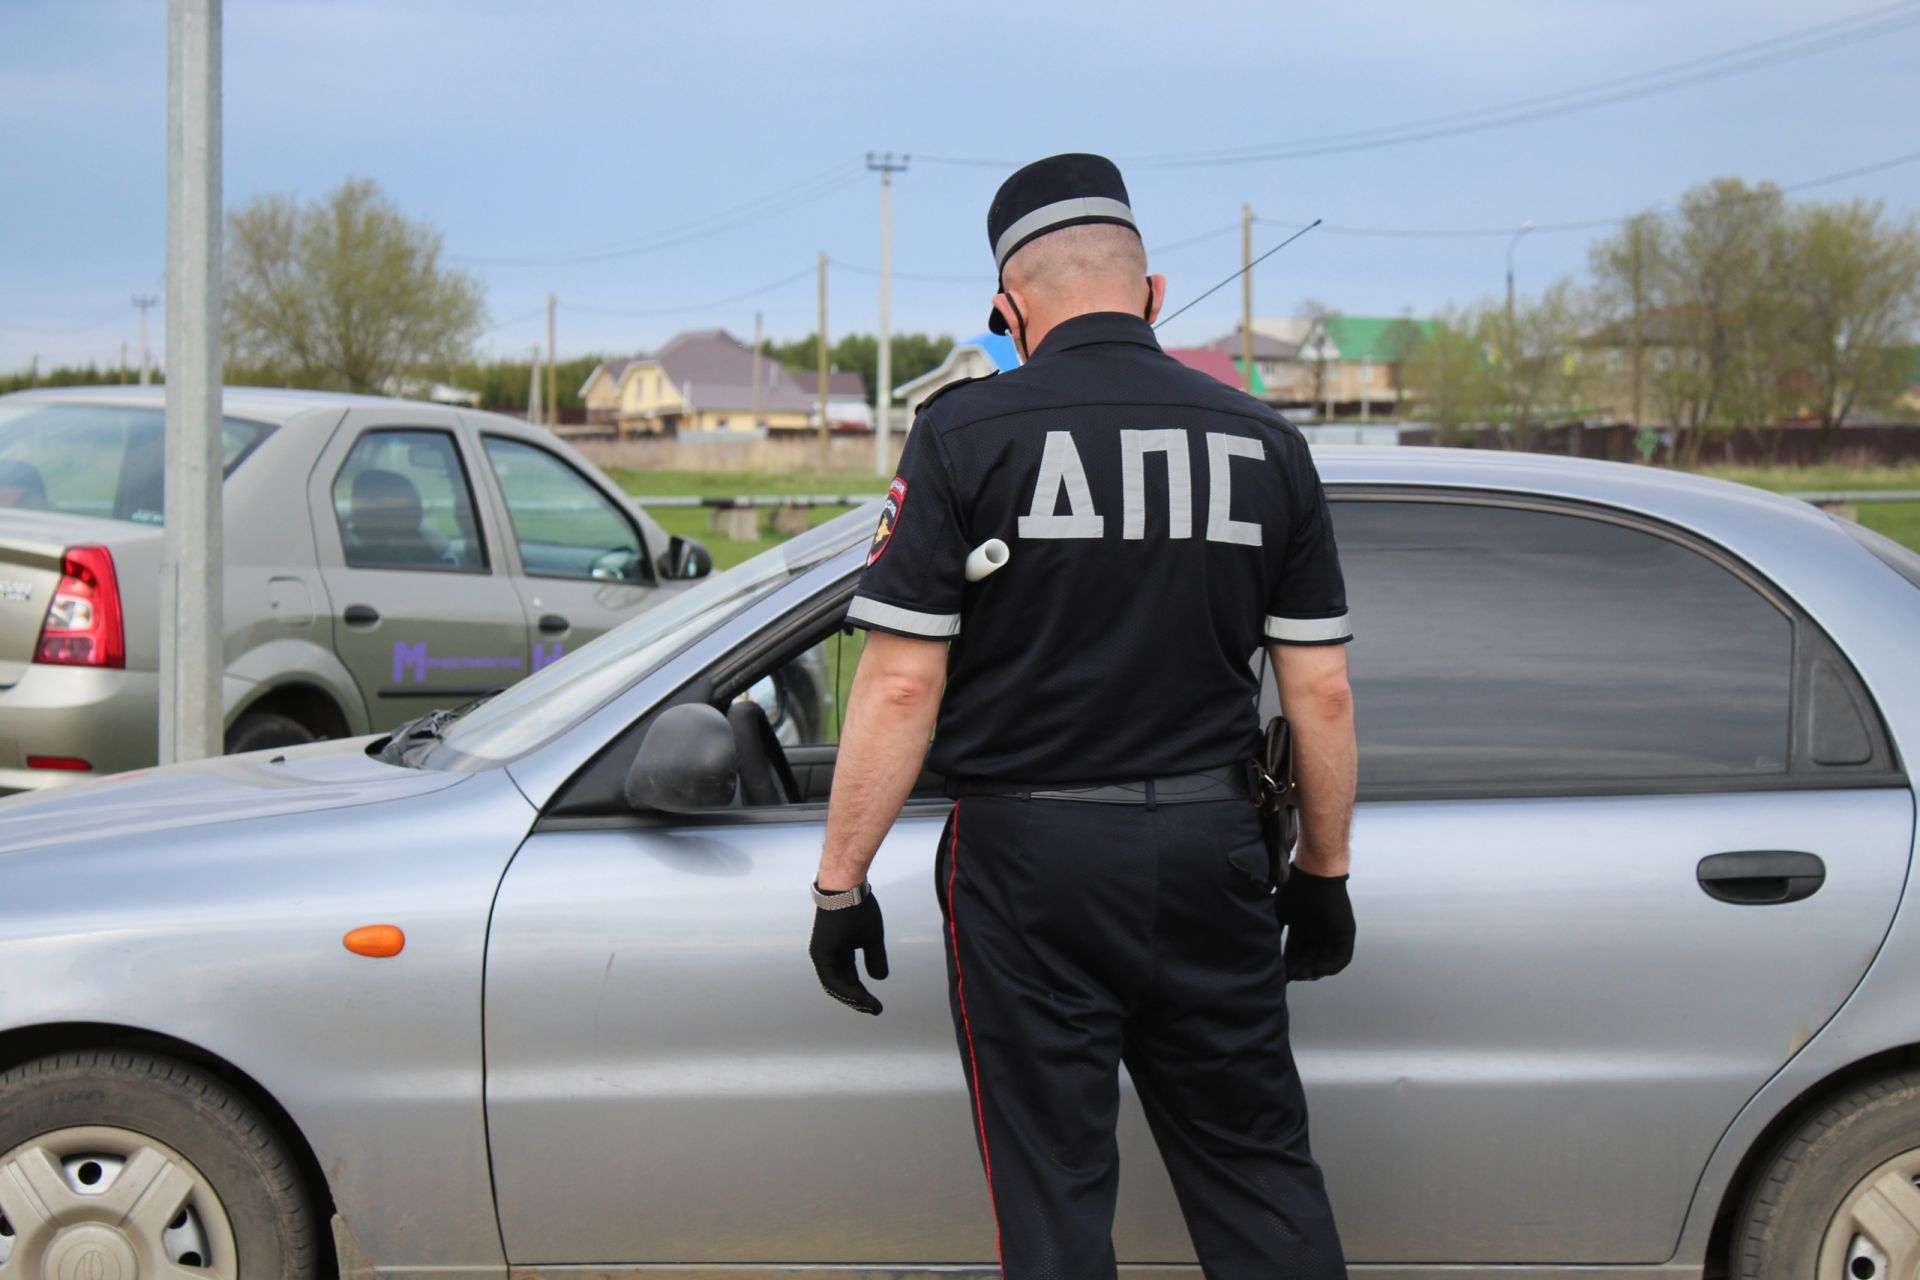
(966, 1025)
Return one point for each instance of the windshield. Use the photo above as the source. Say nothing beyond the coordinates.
(97, 460)
(560, 695)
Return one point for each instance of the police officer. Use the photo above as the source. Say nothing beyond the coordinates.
(1103, 880)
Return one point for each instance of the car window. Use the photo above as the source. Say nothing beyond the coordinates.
(805, 697)
(403, 502)
(94, 460)
(566, 691)
(563, 525)
(1497, 645)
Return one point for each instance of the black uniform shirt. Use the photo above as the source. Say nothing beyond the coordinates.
(1162, 525)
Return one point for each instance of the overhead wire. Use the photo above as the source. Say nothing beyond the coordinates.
(1791, 46)
(693, 306)
(784, 200)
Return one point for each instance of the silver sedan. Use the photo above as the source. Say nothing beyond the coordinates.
(527, 988)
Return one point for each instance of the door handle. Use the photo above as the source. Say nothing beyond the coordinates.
(553, 623)
(360, 615)
(1761, 877)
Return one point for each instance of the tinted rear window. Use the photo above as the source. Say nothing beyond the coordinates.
(1495, 645)
(94, 460)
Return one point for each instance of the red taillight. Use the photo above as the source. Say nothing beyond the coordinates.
(66, 764)
(83, 627)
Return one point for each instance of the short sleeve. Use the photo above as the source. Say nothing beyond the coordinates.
(916, 565)
(1307, 601)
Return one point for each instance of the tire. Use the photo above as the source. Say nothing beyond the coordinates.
(1860, 1152)
(231, 1189)
(259, 730)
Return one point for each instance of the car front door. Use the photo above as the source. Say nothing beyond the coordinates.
(583, 564)
(1564, 716)
(666, 1081)
(423, 615)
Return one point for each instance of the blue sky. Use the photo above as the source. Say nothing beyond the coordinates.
(539, 130)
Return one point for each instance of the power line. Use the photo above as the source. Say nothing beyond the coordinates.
(781, 283)
(1792, 46)
(519, 319)
(1588, 224)
(820, 185)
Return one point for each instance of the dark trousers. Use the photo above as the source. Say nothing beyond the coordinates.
(1081, 936)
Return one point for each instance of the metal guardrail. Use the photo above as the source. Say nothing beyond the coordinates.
(758, 500)
(1832, 497)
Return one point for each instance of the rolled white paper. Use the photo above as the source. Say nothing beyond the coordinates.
(989, 557)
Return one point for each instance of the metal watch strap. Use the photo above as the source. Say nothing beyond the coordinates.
(842, 900)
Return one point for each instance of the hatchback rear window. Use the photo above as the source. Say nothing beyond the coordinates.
(98, 460)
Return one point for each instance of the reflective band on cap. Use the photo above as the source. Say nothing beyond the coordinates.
(1309, 630)
(1052, 215)
(911, 621)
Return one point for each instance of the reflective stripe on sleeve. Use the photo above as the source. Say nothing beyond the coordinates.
(894, 618)
(1309, 630)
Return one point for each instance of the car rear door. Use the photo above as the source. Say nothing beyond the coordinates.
(424, 614)
(581, 562)
(1567, 719)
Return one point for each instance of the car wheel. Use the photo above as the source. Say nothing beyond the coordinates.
(1841, 1200)
(126, 1164)
(258, 730)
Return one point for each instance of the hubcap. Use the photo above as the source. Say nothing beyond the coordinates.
(98, 1203)
(1876, 1233)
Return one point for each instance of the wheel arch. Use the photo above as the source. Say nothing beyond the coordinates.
(20, 1045)
(311, 705)
(1761, 1151)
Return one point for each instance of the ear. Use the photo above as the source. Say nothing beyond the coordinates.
(1156, 296)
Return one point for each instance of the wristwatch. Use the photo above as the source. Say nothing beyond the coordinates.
(842, 900)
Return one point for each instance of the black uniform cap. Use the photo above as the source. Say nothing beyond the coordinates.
(1060, 191)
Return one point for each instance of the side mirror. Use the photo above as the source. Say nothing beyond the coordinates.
(685, 558)
(686, 763)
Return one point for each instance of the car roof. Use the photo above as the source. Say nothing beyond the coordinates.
(1699, 502)
(276, 405)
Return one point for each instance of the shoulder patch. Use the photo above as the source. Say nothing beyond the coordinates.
(955, 385)
(889, 518)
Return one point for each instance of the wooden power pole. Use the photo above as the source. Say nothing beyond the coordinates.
(1246, 296)
(826, 431)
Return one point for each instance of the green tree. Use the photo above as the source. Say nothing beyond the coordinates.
(344, 293)
(1449, 379)
(1850, 282)
(913, 355)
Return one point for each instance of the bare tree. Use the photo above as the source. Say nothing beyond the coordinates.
(344, 293)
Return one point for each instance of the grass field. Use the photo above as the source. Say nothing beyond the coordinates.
(1898, 520)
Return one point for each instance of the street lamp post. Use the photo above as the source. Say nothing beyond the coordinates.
(1511, 246)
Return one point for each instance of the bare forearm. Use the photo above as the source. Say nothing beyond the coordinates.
(890, 717)
(1326, 758)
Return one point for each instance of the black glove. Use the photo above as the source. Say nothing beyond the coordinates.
(836, 936)
(1319, 923)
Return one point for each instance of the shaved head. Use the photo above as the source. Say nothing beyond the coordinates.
(1094, 256)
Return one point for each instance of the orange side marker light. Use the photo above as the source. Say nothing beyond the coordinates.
(379, 941)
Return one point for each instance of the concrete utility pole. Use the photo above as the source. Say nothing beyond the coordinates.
(825, 431)
(191, 712)
(553, 372)
(755, 421)
(1246, 296)
(123, 362)
(887, 166)
(144, 301)
(534, 372)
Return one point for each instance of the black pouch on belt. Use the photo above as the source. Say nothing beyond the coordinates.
(1270, 781)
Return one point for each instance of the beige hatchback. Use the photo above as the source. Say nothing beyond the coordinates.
(383, 558)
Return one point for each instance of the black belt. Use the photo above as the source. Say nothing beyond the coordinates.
(1228, 782)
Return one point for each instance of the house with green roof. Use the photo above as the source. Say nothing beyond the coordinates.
(1362, 359)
